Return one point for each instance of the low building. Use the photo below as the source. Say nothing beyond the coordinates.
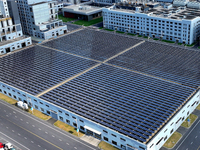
(178, 24)
(11, 36)
(85, 12)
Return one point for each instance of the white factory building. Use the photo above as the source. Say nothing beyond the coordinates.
(180, 24)
(11, 36)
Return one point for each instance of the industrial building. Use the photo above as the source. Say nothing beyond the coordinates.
(180, 24)
(131, 93)
(39, 18)
(11, 36)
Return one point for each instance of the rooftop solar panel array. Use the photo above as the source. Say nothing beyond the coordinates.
(93, 44)
(130, 103)
(35, 69)
(172, 63)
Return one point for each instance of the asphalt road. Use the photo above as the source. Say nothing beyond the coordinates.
(28, 132)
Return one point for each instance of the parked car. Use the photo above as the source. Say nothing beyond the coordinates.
(8, 146)
(1, 145)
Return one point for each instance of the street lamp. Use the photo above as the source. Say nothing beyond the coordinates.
(77, 126)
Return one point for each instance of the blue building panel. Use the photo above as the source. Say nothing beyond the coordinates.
(37, 68)
(165, 61)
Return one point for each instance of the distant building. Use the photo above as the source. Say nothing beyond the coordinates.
(39, 18)
(11, 36)
(178, 24)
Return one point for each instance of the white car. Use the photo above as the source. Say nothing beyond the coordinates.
(8, 146)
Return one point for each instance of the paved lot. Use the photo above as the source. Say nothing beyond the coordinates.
(34, 133)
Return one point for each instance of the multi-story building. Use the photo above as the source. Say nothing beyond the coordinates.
(178, 24)
(39, 18)
(11, 36)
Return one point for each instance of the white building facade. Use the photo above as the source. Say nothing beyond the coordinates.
(148, 24)
(39, 18)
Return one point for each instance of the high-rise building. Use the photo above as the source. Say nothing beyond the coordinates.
(39, 18)
(11, 36)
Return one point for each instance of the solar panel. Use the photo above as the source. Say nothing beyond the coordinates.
(98, 45)
(168, 62)
(130, 103)
(36, 69)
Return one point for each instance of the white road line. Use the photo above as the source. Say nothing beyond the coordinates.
(196, 137)
(32, 142)
(13, 131)
(27, 122)
(15, 141)
(39, 146)
(1, 124)
(53, 136)
(39, 128)
(75, 147)
(18, 134)
(187, 135)
(33, 125)
(187, 149)
(10, 113)
(5, 110)
(22, 112)
(21, 119)
(15, 116)
(46, 132)
(7, 116)
(14, 112)
(7, 127)
(60, 140)
(191, 142)
(67, 143)
(25, 137)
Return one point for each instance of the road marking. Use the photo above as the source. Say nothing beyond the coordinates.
(60, 140)
(75, 147)
(13, 131)
(187, 135)
(39, 128)
(191, 142)
(27, 122)
(46, 132)
(53, 136)
(33, 134)
(15, 141)
(187, 149)
(33, 125)
(25, 137)
(21, 119)
(196, 137)
(67, 143)
(39, 146)
(18, 134)
(10, 113)
(14, 112)
(15, 116)
(7, 116)
(1, 124)
(7, 127)
(21, 112)
(32, 142)
(5, 110)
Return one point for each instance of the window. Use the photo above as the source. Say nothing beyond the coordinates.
(13, 90)
(171, 131)
(18, 92)
(123, 147)
(36, 106)
(113, 135)
(42, 109)
(165, 138)
(74, 124)
(183, 111)
(178, 120)
(105, 131)
(41, 103)
(19, 99)
(193, 103)
(0, 90)
(68, 121)
(14, 97)
(47, 105)
(113, 142)
(172, 123)
(165, 130)
(81, 121)
(5, 92)
(61, 118)
(188, 113)
(151, 145)
(82, 128)
(105, 138)
(59, 111)
(141, 147)
(73, 117)
(66, 114)
(8, 88)
(122, 139)
(159, 141)
(35, 100)
(48, 112)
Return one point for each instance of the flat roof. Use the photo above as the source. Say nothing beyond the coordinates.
(130, 103)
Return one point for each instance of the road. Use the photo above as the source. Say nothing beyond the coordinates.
(29, 132)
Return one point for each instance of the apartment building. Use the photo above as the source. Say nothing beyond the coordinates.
(40, 18)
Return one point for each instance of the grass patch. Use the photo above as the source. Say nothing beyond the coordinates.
(89, 23)
(168, 41)
(100, 27)
(172, 140)
(108, 30)
(179, 43)
(39, 114)
(156, 39)
(192, 119)
(67, 128)
(131, 34)
(120, 32)
(146, 37)
(105, 146)
(190, 45)
(8, 99)
(198, 107)
(139, 35)
(199, 47)
(64, 19)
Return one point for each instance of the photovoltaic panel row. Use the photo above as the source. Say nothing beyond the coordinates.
(93, 44)
(36, 69)
(132, 104)
(172, 63)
